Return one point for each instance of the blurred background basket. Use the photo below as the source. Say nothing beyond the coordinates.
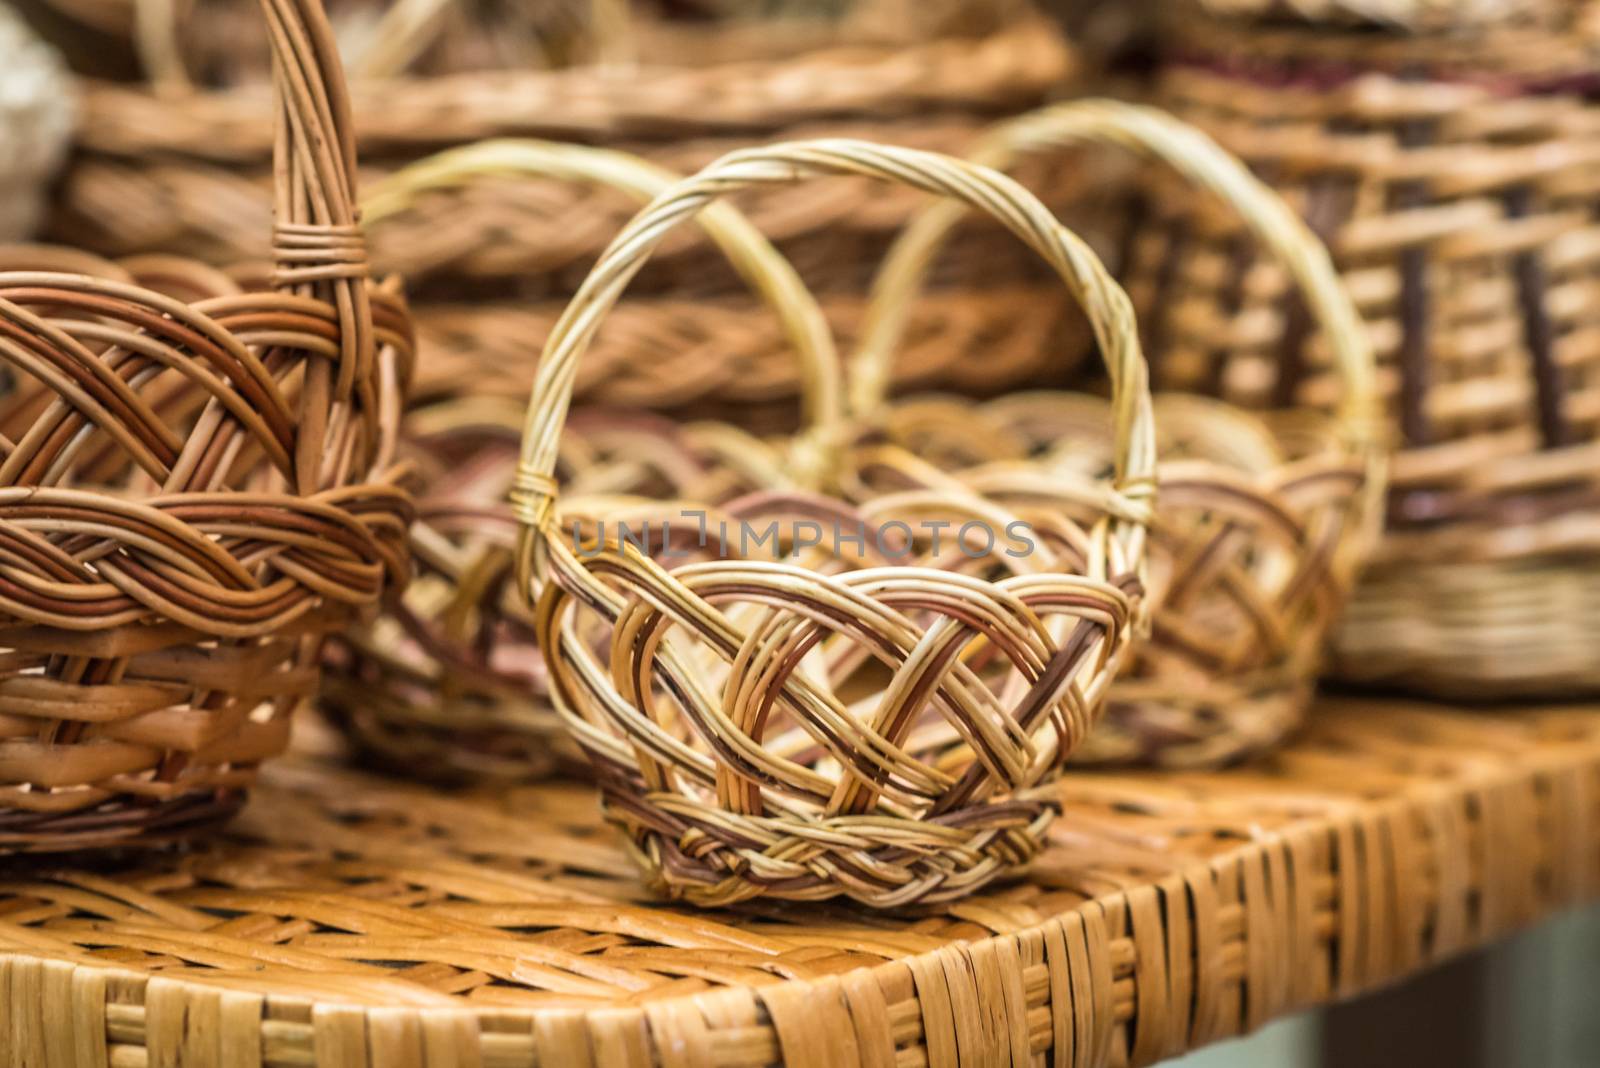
(171, 167)
(1261, 523)
(447, 683)
(196, 488)
(1455, 176)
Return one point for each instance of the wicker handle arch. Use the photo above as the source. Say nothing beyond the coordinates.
(1108, 308)
(318, 248)
(1152, 134)
(751, 255)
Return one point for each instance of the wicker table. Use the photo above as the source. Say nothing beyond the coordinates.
(355, 921)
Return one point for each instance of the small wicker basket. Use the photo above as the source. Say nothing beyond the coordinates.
(195, 489)
(888, 733)
(448, 684)
(1261, 528)
(1454, 178)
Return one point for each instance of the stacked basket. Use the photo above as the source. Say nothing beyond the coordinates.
(196, 488)
(176, 169)
(1451, 165)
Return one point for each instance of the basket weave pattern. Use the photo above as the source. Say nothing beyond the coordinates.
(192, 492)
(1454, 179)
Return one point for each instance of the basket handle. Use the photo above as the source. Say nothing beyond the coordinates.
(318, 249)
(1109, 310)
(1154, 134)
(766, 270)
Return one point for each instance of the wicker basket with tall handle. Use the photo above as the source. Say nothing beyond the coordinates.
(1260, 528)
(761, 728)
(448, 683)
(191, 495)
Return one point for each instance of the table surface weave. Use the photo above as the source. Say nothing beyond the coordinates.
(349, 920)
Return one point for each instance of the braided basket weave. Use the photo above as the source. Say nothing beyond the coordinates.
(1260, 528)
(828, 721)
(448, 684)
(194, 490)
(1454, 179)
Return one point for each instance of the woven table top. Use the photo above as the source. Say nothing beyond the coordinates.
(348, 920)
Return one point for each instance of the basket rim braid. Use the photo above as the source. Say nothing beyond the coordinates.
(191, 495)
(842, 801)
(1242, 707)
(471, 719)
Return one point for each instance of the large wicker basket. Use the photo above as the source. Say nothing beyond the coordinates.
(194, 491)
(490, 264)
(827, 722)
(448, 684)
(1261, 526)
(1454, 176)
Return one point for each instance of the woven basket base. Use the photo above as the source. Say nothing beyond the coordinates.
(119, 823)
(1476, 631)
(356, 921)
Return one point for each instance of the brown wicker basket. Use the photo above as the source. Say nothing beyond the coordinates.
(1260, 528)
(185, 171)
(1454, 178)
(823, 722)
(449, 684)
(195, 488)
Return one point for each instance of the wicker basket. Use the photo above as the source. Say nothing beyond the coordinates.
(1260, 528)
(1454, 179)
(817, 725)
(449, 684)
(195, 489)
(185, 171)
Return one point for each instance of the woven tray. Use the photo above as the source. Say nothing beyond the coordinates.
(352, 921)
